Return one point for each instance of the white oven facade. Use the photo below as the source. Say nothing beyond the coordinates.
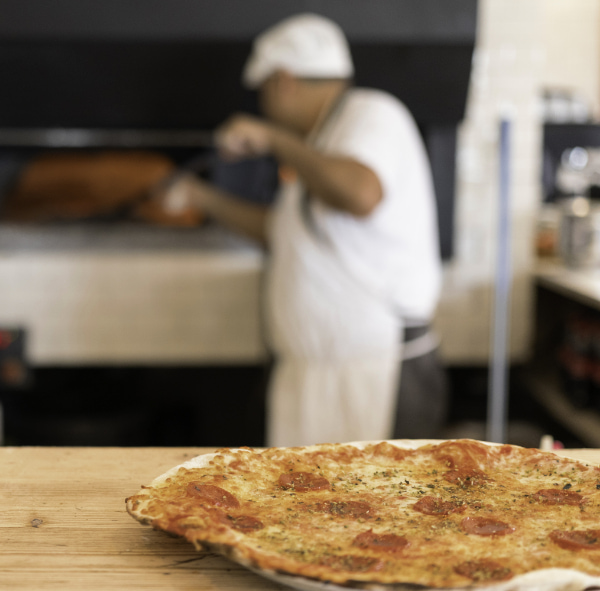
(90, 307)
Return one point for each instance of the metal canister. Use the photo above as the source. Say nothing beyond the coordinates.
(579, 240)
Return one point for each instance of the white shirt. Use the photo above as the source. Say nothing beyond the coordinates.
(341, 289)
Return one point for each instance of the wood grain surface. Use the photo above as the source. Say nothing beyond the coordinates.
(64, 524)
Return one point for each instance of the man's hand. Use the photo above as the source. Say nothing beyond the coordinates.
(179, 195)
(190, 193)
(171, 203)
(243, 136)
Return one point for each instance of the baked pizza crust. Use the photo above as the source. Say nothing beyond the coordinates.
(233, 542)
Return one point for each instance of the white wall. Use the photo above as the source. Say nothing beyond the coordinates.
(572, 47)
(523, 46)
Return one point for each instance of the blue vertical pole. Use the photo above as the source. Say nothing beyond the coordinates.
(498, 378)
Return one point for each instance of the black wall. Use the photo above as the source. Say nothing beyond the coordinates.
(383, 21)
(183, 84)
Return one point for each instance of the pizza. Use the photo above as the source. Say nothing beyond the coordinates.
(450, 514)
(71, 186)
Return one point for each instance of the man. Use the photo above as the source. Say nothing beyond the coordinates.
(352, 235)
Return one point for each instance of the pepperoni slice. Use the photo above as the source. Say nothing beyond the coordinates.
(303, 481)
(353, 563)
(483, 570)
(437, 506)
(383, 542)
(586, 539)
(485, 526)
(344, 508)
(466, 477)
(245, 523)
(552, 496)
(214, 495)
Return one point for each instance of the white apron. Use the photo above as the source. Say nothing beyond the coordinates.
(337, 347)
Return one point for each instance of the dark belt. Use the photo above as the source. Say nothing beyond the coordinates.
(414, 332)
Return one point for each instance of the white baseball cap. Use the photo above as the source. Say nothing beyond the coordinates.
(306, 45)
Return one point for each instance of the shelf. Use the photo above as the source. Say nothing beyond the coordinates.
(580, 285)
(584, 423)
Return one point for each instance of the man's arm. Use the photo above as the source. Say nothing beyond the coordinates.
(342, 183)
(241, 216)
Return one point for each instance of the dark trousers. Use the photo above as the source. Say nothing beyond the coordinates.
(422, 401)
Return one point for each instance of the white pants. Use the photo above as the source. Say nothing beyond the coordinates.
(313, 402)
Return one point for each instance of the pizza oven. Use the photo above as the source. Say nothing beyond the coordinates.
(128, 301)
(87, 76)
(108, 175)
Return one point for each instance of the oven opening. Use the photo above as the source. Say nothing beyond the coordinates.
(66, 176)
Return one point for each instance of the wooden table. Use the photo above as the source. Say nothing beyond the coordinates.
(64, 524)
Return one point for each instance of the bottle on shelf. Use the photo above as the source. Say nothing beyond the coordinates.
(576, 360)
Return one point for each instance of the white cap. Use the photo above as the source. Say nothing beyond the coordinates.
(306, 45)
